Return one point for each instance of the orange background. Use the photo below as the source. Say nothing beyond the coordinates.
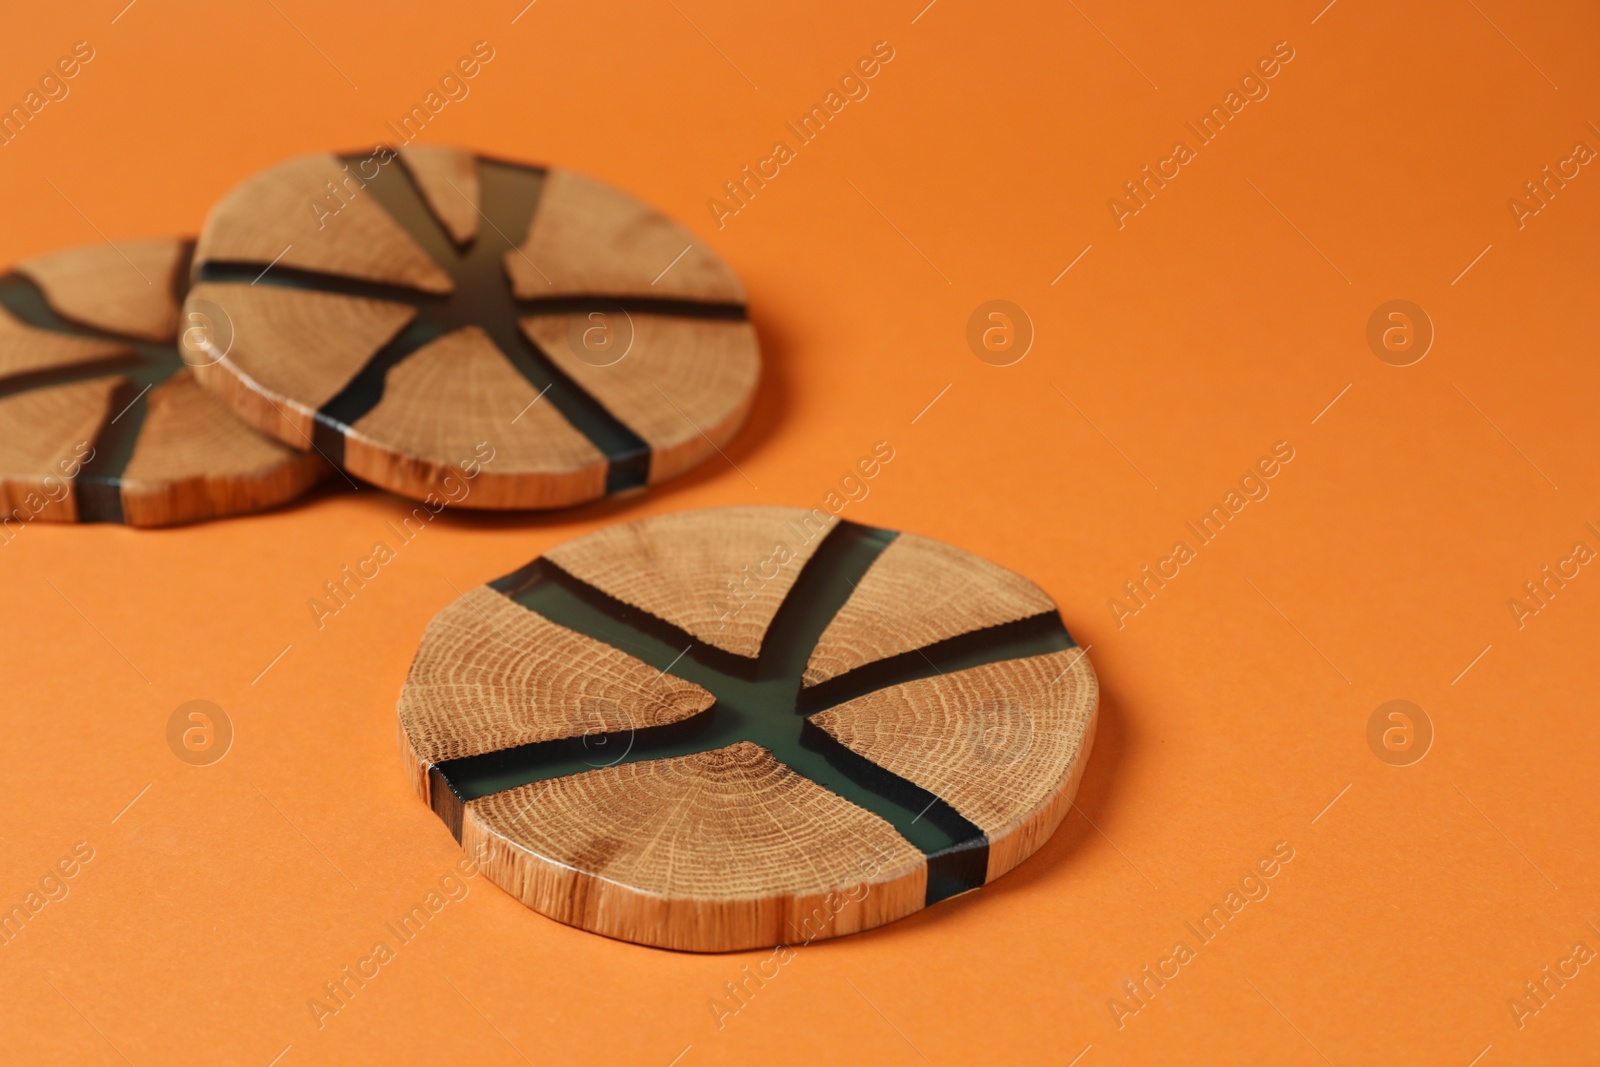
(1224, 317)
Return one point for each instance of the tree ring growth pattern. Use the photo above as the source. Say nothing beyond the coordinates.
(886, 718)
(395, 309)
(100, 418)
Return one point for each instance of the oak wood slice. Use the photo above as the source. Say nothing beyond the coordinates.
(957, 592)
(364, 292)
(45, 434)
(1007, 764)
(708, 582)
(28, 350)
(194, 459)
(335, 334)
(448, 178)
(593, 239)
(672, 385)
(100, 417)
(581, 734)
(455, 392)
(606, 851)
(309, 213)
(493, 675)
(138, 302)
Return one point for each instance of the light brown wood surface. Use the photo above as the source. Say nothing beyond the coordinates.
(671, 387)
(723, 848)
(334, 334)
(680, 571)
(452, 394)
(683, 390)
(275, 215)
(1000, 742)
(955, 592)
(195, 460)
(42, 433)
(491, 674)
(136, 298)
(448, 178)
(591, 239)
(191, 459)
(27, 349)
(730, 847)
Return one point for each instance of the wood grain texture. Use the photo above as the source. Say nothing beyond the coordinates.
(126, 288)
(315, 214)
(193, 460)
(448, 178)
(100, 396)
(333, 336)
(42, 433)
(27, 349)
(591, 239)
(618, 772)
(673, 385)
(445, 399)
(679, 567)
(920, 591)
(302, 375)
(1001, 742)
(491, 674)
(726, 848)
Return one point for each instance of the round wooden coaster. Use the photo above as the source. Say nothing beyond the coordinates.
(409, 312)
(747, 727)
(100, 418)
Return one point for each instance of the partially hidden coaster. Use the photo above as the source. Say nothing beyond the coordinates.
(100, 418)
(407, 312)
(746, 727)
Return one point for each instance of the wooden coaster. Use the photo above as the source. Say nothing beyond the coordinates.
(747, 727)
(408, 312)
(100, 419)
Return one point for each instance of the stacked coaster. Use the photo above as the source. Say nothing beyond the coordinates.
(100, 419)
(747, 727)
(405, 313)
(713, 730)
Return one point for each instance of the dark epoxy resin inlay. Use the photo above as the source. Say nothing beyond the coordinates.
(509, 195)
(758, 700)
(98, 485)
